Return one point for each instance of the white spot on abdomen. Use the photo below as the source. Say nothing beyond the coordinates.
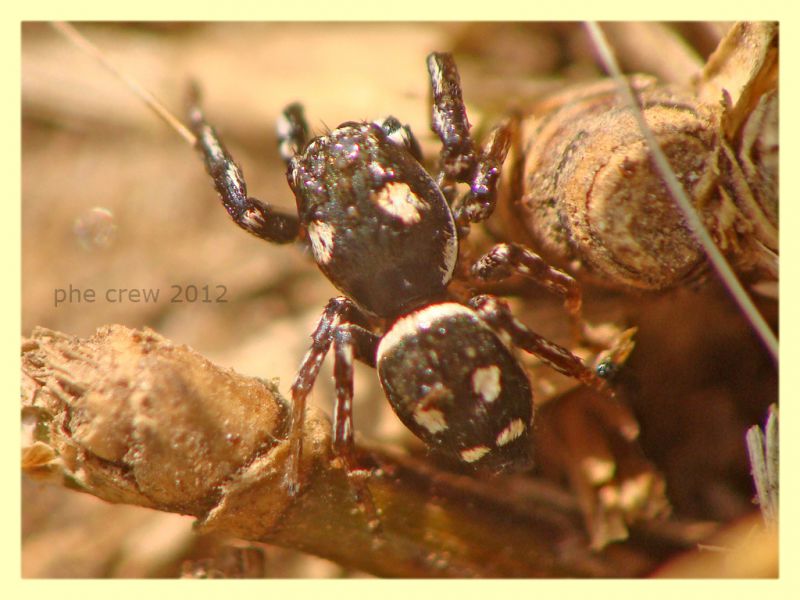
(514, 429)
(321, 236)
(431, 419)
(486, 382)
(397, 199)
(471, 455)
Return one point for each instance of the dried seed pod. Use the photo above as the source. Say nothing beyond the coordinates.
(592, 194)
(758, 154)
(592, 198)
(741, 77)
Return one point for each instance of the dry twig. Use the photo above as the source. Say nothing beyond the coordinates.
(132, 418)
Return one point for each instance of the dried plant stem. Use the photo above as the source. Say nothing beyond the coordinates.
(718, 261)
(762, 448)
(153, 103)
(132, 418)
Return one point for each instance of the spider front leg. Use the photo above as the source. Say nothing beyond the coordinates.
(449, 119)
(497, 314)
(350, 342)
(503, 260)
(250, 214)
(461, 163)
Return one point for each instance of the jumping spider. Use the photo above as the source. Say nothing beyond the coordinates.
(387, 235)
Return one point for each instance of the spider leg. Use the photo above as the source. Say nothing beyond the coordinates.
(497, 314)
(305, 378)
(449, 119)
(478, 204)
(461, 163)
(292, 132)
(250, 214)
(349, 341)
(503, 260)
(401, 135)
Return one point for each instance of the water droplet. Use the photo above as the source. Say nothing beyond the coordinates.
(95, 229)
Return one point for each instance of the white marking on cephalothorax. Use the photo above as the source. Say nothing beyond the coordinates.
(486, 382)
(424, 318)
(470, 455)
(397, 199)
(514, 429)
(431, 419)
(321, 235)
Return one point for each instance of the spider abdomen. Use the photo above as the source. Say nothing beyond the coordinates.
(456, 386)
